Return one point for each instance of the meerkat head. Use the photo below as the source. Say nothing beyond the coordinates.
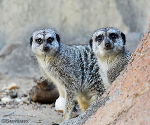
(44, 42)
(107, 42)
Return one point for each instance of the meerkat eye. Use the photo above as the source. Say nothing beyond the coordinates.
(39, 41)
(113, 36)
(99, 38)
(50, 39)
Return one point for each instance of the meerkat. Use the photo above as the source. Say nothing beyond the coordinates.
(108, 44)
(73, 69)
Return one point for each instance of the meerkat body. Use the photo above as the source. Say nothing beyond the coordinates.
(73, 69)
(108, 46)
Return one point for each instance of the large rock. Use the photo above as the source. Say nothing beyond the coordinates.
(128, 100)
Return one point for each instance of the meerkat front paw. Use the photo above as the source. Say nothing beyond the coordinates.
(60, 104)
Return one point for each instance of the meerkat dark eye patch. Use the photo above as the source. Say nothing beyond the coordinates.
(113, 36)
(91, 42)
(39, 41)
(58, 38)
(99, 38)
(123, 37)
(31, 40)
(50, 40)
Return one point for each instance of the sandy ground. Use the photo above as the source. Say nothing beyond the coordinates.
(32, 113)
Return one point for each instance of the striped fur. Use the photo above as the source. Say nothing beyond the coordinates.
(110, 52)
(73, 69)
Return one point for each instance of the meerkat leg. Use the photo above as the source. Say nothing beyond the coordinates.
(60, 102)
(70, 102)
(83, 101)
(61, 91)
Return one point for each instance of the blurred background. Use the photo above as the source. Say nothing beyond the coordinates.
(75, 21)
(71, 19)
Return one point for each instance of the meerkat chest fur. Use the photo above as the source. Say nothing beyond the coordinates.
(72, 66)
(105, 64)
(44, 66)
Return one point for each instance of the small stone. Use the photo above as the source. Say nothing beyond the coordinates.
(4, 87)
(53, 105)
(13, 94)
(12, 86)
(1, 103)
(6, 99)
(8, 106)
(25, 100)
(2, 94)
(24, 95)
(21, 103)
(33, 103)
(17, 100)
(16, 106)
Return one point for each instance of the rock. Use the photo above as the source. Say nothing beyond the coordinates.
(13, 94)
(2, 94)
(12, 86)
(3, 76)
(24, 95)
(21, 103)
(25, 100)
(6, 99)
(4, 87)
(8, 106)
(18, 100)
(43, 84)
(43, 96)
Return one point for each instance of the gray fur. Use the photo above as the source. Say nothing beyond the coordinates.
(111, 63)
(73, 69)
(112, 59)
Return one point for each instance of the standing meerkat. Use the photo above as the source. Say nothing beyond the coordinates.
(73, 69)
(108, 44)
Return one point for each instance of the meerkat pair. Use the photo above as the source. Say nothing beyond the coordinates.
(74, 69)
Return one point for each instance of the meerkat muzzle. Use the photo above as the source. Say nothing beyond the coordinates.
(46, 48)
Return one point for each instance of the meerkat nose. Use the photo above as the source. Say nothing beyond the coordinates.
(107, 44)
(46, 48)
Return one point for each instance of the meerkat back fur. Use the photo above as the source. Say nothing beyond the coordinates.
(73, 69)
(108, 44)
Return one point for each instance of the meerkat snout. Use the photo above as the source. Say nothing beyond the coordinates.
(107, 45)
(46, 48)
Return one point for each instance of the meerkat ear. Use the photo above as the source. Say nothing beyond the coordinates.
(123, 37)
(31, 40)
(57, 37)
(91, 42)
